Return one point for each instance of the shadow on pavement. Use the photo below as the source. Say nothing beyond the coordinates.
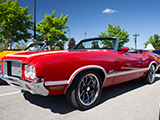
(58, 103)
(119, 89)
(2, 82)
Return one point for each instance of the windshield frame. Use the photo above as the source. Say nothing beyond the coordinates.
(99, 38)
(42, 44)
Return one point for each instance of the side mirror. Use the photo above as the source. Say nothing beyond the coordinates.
(124, 49)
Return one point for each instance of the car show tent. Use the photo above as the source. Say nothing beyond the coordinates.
(150, 47)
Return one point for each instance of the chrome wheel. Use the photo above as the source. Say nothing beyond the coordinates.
(88, 89)
(151, 74)
(149, 78)
(85, 90)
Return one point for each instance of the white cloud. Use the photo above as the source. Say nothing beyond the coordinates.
(110, 11)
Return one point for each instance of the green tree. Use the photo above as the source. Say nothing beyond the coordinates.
(115, 31)
(14, 23)
(20, 45)
(1, 42)
(53, 28)
(154, 40)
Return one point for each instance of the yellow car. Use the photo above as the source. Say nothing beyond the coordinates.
(39, 46)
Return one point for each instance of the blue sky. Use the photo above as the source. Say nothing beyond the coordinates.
(93, 16)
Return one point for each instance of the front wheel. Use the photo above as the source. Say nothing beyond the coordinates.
(149, 78)
(85, 90)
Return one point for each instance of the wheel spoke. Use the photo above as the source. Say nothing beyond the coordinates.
(93, 84)
(83, 83)
(83, 97)
(87, 100)
(89, 82)
(92, 94)
(86, 79)
(82, 93)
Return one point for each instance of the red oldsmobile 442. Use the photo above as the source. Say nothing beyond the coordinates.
(80, 73)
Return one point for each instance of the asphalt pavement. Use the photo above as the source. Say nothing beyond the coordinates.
(127, 101)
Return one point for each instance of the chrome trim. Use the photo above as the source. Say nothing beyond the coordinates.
(33, 87)
(5, 66)
(88, 67)
(117, 44)
(50, 83)
(43, 46)
(127, 72)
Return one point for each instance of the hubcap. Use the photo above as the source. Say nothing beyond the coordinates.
(88, 89)
(151, 74)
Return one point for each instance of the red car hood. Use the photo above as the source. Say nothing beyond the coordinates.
(22, 56)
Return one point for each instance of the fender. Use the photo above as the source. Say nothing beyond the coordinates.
(62, 82)
(74, 74)
(85, 68)
(154, 62)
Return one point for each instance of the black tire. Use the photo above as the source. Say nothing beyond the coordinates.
(85, 91)
(158, 71)
(149, 78)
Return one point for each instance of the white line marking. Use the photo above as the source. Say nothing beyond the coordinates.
(11, 93)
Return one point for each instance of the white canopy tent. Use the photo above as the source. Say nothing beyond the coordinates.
(150, 47)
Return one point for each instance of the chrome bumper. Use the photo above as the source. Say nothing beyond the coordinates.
(33, 87)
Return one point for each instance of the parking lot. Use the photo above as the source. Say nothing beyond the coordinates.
(127, 101)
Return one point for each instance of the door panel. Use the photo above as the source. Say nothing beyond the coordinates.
(129, 66)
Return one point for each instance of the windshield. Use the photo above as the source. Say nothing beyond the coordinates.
(35, 47)
(97, 44)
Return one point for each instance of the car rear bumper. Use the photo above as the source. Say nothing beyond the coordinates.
(33, 87)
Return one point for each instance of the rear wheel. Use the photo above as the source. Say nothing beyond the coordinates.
(149, 78)
(85, 90)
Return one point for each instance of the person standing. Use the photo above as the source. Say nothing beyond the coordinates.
(47, 47)
(34, 46)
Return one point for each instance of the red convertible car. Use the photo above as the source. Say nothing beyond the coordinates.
(80, 73)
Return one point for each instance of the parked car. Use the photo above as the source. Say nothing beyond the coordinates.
(157, 51)
(30, 47)
(80, 73)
